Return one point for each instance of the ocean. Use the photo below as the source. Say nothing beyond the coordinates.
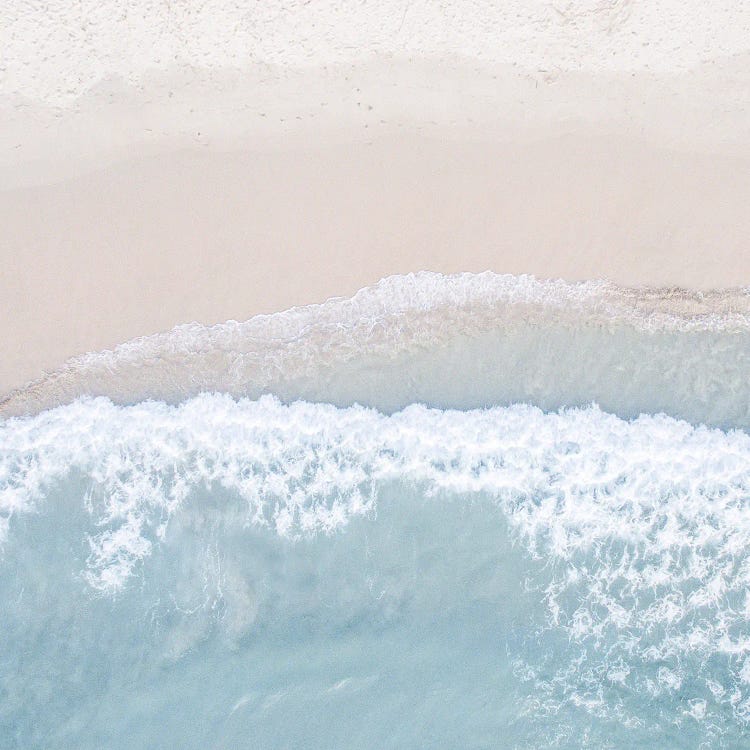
(475, 511)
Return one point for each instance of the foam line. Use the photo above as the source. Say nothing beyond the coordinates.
(449, 341)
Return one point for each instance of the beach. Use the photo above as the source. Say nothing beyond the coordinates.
(132, 201)
(374, 375)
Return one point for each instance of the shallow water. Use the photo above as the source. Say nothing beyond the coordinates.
(464, 341)
(242, 572)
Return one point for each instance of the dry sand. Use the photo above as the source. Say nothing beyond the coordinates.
(127, 208)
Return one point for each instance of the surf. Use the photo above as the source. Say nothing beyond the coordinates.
(607, 556)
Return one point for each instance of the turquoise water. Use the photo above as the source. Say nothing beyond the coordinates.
(249, 574)
(241, 572)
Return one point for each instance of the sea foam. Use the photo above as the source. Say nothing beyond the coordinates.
(463, 341)
(628, 545)
(566, 480)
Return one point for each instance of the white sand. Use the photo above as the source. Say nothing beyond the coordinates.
(609, 140)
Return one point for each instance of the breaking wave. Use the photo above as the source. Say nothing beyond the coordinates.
(573, 570)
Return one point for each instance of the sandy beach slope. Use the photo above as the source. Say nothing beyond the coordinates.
(146, 190)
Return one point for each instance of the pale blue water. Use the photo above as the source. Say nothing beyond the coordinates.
(244, 573)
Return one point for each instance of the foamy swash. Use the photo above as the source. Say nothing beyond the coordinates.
(460, 341)
(236, 572)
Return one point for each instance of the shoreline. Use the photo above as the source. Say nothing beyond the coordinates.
(515, 338)
(131, 211)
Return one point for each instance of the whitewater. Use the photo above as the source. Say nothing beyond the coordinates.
(474, 511)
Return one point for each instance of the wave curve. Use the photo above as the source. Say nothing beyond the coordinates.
(462, 341)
